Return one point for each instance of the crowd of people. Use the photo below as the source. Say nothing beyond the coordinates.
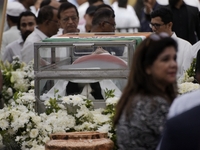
(150, 115)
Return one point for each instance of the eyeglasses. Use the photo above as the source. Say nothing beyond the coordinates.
(73, 18)
(112, 24)
(155, 25)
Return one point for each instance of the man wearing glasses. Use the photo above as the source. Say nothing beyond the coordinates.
(68, 17)
(162, 21)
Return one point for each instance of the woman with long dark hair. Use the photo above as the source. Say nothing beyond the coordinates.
(151, 88)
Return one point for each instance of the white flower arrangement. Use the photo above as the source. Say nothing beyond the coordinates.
(30, 130)
(188, 87)
(185, 83)
(18, 77)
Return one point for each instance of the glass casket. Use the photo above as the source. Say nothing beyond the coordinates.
(77, 64)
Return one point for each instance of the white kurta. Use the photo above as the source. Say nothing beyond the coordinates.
(125, 17)
(8, 37)
(28, 48)
(13, 49)
(184, 55)
(195, 49)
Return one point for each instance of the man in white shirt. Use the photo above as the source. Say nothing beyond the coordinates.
(83, 5)
(14, 9)
(26, 24)
(125, 16)
(161, 21)
(47, 22)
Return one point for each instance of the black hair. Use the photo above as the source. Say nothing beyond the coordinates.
(45, 13)
(13, 19)
(100, 15)
(63, 1)
(44, 3)
(104, 6)
(91, 2)
(122, 3)
(66, 5)
(91, 10)
(164, 13)
(25, 14)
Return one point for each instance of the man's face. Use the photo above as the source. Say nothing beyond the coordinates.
(69, 20)
(159, 26)
(27, 24)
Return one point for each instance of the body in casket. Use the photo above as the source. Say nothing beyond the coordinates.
(93, 88)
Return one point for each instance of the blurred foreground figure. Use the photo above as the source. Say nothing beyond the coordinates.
(151, 88)
(182, 128)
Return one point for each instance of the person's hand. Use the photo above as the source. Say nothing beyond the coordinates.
(148, 8)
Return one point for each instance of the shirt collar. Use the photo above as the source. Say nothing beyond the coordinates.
(40, 33)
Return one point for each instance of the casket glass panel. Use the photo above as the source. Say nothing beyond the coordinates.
(50, 55)
(59, 61)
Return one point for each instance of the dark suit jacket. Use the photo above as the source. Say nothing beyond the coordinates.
(145, 19)
(193, 24)
(183, 131)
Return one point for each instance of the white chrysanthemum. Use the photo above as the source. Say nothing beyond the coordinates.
(105, 128)
(31, 91)
(86, 126)
(187, 87)
(99, 118)
(46, 139)
(21, 85)
(75, 100)
(83, 111)
(17, 75)
(4, 124)
(185, 78)
(9, 91)
(32, 83)
(4, 113)
(112, 101)
(46, 103)
(38, 147)
(97, 111)
(34, 133)
(28, 97)
(36, 119)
